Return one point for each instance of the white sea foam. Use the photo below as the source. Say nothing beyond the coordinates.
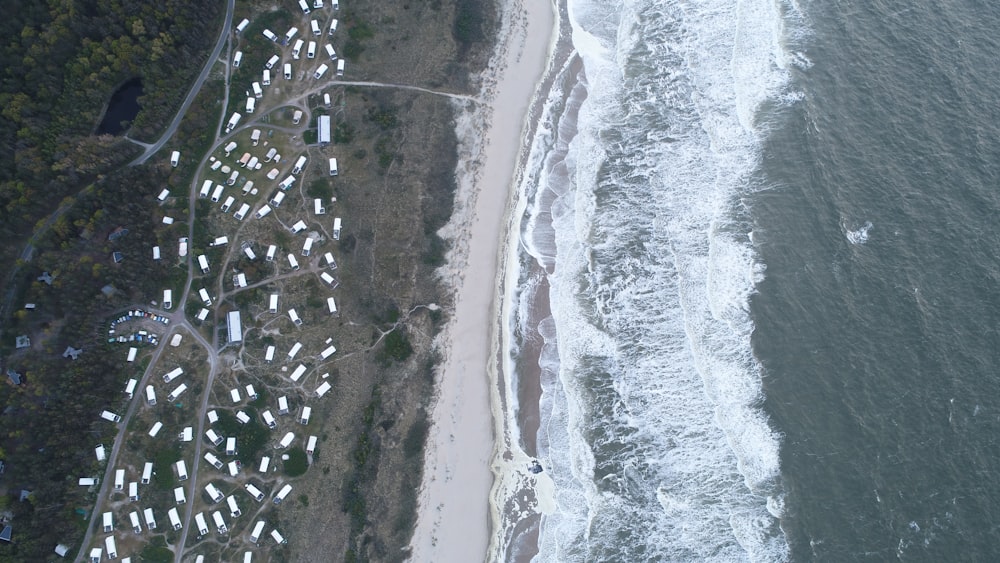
(858, 236)
(651, 426)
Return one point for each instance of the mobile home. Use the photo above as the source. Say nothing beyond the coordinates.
(286, 183)
(299, 164)
(119, 479)
(330, 52)
(206, 187)
(322, 389)
(269, 354)
(269, 419)
(203, 263)
(150, 395)
(282, 405)
(147, 472)
(340, 67)
(270, 253)
(234, 509)
(298, 227)
(220, 241)
(311, 445)
(297, 49)
(229, 148)
(293, 262)
(179, 496)
(330, 262)
(270, 35)
(156, 253)
(330, 350)
(258, 529)
(290, 34)
(273, 306)
(324, 127)
(278, 538)
(237, 59)
(220, 522)
(256, 493)
(231, 180)
(176, 393)
(241, 212)
(295, 317)
(304, 6)
(182, 472)
(249, 253)
(332, 305)
(210, 458)
(251, 104)
(199, 520)
(234, 394)
(251, 392)
(203, 293)
(182, 247)
(111, 547)
(327, 277)
(148, 516)
(217, 194)
(272, 61)
(133, 491)
(263, 211)
(320, 71)
(173, 374)
(175, 519)
(242, 417)
(242, 25)
(130, 386)
(213, 437)
(157, 426)
(234, 120)
(202, 314)
(314, 26)
(307, 246)
(277, 198)
(213, 493)
(134, 520)
(298, 373)
(168, 298)
(333, 26)
(294, 351)
(163, 195)
(336, 228)
(175, 158)
(288, 71)
(306, 413)
(287, 440)
(318, 208)
(282, 493)
(265, 463)
(255, 137)
(265, 77)
(311, 50)
(110, 416)
(231, 446)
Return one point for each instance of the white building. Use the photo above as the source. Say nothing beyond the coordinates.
(234, 326)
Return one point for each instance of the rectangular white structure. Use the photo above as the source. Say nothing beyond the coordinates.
(283, 405)
(287, 440)
(297, 49)
(265, 463)
(307, 246)
(110, 416)
(317, 75)
(282, 493)
(199, 520)
(111, 547)
(329, 351)
(182, 472)
(203, 263)
(168, 298)
(299, 371)
(213, 493)
(177, 392)
(156, 253)
(179, 496)
(226, 205)
(100, 452)
(242, 417)
(148, 516)
(133, 491)
(213, 437)
(263, 211)
(202, 314)
(234, 327)
(234, 509)
(234, 394)
(147, 472)
(220, 522)
(273, 303)
(306, 413)
(318, 208)
(292, 261)
(163, 195)
(186, 435)
(327, 278)
(256, 493)
(242, 212)
(336, 228)
(269, 355)
(231, 446)
(174, 374)
(133, 518)
(324, 120)
(340, 67)
(322, 389)
(210, 458)
(107, 522)
(272, 61)
(157, 426)
(119, 479)
(249, 253)
(277, 537)
(311, 50)
(330, 262)
(251, 392)
(258, 529)
(295, 317)
(271, 250)
(130, 384)
(277, 198)
(269, 419)
(331, 305)
(150, 395)
(175, 518)
(234, 120)
(311, 445)
(203, 293)
(294, 351)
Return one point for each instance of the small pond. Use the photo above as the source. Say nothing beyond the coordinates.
(122, 108)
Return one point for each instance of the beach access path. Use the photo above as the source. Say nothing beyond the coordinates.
(453, 519)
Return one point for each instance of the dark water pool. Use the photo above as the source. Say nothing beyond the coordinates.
(122, 108)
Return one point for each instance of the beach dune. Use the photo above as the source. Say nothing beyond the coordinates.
(453, 520)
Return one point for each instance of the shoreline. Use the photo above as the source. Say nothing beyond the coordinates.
(461, 444)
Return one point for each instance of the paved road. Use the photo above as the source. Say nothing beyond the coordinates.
(227, 27)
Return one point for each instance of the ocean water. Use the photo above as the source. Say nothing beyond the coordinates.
(769, 235)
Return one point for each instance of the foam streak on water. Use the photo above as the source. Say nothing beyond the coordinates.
(650, 422)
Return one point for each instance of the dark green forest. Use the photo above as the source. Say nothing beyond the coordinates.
(60, 62)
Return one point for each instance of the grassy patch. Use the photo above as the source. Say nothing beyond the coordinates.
(250, 437)
(297, 463)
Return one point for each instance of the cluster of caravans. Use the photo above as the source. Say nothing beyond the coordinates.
(317, 30)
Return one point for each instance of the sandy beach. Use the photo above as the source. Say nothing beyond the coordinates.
(454, 521)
